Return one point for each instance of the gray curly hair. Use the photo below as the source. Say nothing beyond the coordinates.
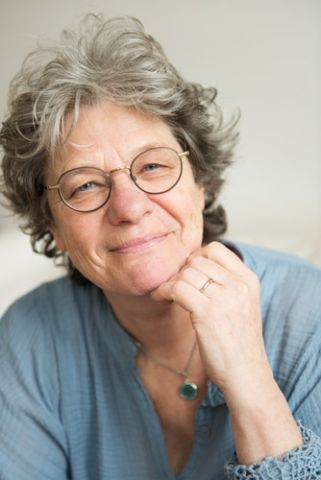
(111, 60)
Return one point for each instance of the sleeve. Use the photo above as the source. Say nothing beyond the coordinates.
(33, 444)
(303, 462)
(301, 372)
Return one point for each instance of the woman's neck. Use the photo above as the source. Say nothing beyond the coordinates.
(158, 326)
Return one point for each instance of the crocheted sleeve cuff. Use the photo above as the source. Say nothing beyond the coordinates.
(301, 462)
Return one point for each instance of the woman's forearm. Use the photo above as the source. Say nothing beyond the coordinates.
(262, 423)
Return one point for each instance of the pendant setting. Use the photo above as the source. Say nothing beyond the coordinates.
(188, 391)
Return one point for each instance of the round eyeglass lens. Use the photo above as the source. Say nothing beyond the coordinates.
(156, 170)
(84, 189)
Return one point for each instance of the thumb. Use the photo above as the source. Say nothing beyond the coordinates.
(163, 293)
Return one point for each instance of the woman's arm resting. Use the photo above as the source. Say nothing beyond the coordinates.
(227, 321)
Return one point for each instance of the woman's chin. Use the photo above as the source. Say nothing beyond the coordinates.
(147, 277)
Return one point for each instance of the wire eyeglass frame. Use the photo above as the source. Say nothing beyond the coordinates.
(113, 171)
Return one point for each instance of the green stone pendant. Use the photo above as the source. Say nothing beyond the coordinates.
(188, 391)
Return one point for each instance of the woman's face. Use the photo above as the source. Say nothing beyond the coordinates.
(136, 240)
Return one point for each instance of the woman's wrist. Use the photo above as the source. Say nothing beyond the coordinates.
(262, 423)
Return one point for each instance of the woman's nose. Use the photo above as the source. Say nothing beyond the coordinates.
(127, 203)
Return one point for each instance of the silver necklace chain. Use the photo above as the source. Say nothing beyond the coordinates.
(183, 373)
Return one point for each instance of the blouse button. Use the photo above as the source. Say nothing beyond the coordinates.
(204, 431)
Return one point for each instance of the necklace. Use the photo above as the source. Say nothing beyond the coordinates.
(188, 390)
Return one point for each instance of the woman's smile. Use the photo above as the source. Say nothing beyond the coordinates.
(136, 240)
(139, 244)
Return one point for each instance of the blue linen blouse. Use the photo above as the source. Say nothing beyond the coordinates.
(72, 405)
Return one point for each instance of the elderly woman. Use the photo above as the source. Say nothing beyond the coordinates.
(165, 353)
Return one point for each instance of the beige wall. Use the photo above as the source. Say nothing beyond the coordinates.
(264, 57)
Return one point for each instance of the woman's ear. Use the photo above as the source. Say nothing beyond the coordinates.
(201, 191)
(57, 238)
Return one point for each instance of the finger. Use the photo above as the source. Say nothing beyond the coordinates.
(207, 283)
(211, 269)
(201, 308)
(227, 259)
(238, 286)
(220, 253)
(182, 293)
(193, 276)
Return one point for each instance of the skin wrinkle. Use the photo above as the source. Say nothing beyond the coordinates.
(58, 80)
(226, 317)
(131, 279)
(177, 213)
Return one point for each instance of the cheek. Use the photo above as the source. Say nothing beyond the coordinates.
(195, 226)
(74, 233)
(191, 205)
(193, 222)
(186, 209)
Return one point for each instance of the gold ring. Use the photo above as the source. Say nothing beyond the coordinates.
(206, 284)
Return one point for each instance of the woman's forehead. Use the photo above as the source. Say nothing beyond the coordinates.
(110, 132)
(113, 122)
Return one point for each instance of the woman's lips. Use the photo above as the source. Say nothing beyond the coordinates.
(139, 244)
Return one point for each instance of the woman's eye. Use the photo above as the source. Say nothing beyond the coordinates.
(158, 168)
(83, 188)
(86, 186)
(152, 166)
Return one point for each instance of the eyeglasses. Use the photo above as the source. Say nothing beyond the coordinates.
(154, 171)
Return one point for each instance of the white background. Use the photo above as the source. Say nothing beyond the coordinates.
(264, 57)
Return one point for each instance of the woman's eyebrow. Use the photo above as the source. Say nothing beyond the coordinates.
(148, 146)
(88, 161)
